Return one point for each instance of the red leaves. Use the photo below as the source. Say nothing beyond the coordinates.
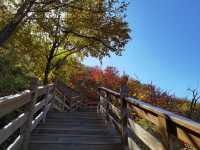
(96, 74)
(111, 78)
(87, 80)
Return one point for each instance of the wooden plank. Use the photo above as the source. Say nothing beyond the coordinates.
(163, 127)
(51, 87)
(10, 128)
(37, 120)
(144, 114)
(61, 102)
(50, 97)
(57, 107)
(116, 111)
(12, 102)
(76, 146)
(29, 109)
(16, 145)
(110, 91)
(41, 90)
(177, 119)
(132, 145)
(47, 109)
(76, 131)
(124, 122)
(145, 136)
(116, 124)
(58, 91)
(183, 128)
(75, 140)
(88, 131)
(192, 139)
(39, 105)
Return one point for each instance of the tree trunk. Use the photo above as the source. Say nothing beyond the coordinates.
(49, 61)
(46, 75)
(10, 27)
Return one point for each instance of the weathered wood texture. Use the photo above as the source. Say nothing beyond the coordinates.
(74, 131)
(67, 99)
(167, 124)
(31, 107)
(86, 129)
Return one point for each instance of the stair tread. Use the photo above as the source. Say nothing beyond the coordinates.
(74, 131)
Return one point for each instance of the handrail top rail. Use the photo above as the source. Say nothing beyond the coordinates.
(22, 93)
(14, 96)
(177, 119)
(110, 91)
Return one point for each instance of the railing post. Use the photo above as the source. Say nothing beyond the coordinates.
(124, 113)
(163, 129)
(29, 109)
(107, 108)
(64, 99)
(99, 103)
(99, 110)
(46, 103)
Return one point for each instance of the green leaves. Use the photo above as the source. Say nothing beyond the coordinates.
(58, 33)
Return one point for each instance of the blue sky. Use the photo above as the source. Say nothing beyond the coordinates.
(165, 45)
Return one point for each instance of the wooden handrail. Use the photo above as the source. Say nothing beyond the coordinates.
(168, 124)
(34, 105)
(66, 99)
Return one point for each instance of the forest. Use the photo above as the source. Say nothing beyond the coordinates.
(50, 39)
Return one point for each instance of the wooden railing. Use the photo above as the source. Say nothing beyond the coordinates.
(167, 129)
(66, 98)
(28, 109)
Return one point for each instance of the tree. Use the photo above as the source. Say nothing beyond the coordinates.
(51, 32)
(96, 74)
(24, 11)
(11, 26)
(195, 98)
(111, 78)
(84, 28)
(13, 79)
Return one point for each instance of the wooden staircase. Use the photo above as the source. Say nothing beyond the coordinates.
(66, 98)
(84, 130)
(29, 121)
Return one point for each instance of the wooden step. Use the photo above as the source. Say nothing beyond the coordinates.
(69, 125)
(52, 139)
(109, 132)
(75, 131)
(75, 147)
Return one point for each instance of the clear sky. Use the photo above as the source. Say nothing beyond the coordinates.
(165, 45)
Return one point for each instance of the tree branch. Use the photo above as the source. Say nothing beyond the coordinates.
(93, 39)
(61, 61)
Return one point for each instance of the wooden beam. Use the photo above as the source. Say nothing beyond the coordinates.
(29, 109)
(37, 120)
(152, 142)
(16, 145)
(39, 105)
(12, 102)
(11, 127)
(132, 145)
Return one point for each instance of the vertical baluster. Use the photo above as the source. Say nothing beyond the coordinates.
(29, 109)
(106, 101)
(64, 99)
(99, 103)
(124, 111)
(163, 129)
(46, 103)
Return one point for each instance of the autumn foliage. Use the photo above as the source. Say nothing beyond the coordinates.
(87, 81)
